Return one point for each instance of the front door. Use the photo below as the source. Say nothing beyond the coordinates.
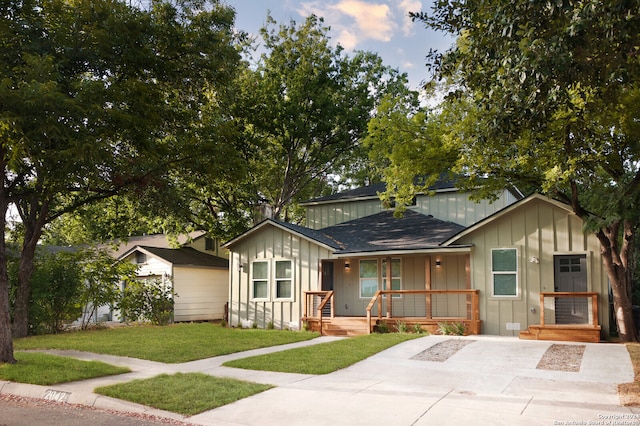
(571, 276)
(327, 283)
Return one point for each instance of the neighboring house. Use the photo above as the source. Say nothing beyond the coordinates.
(200, 281)
(197, 269)
(448, 259)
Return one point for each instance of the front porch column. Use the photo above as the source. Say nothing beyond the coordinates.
(427, 284)
(389, 287)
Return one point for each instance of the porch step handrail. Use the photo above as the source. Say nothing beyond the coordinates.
(473, 315)
(570, 294)
(327, 297)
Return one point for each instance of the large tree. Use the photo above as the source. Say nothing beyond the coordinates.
(98, 97)
(305, 108)
(552, 90)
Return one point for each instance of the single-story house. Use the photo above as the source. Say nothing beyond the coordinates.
(520, 266)
(199, 280)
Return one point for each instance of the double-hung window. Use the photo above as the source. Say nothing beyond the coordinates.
(284, 279)
(396, 275)
(272, 277)
(368, 278)
(260, 280)
(504, 271)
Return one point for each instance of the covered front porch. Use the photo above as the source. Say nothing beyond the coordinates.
(396, 310)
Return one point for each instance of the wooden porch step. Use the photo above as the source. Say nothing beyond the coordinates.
(562, 332)
(344, 326)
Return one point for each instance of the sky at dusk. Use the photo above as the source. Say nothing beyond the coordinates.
(372, 25)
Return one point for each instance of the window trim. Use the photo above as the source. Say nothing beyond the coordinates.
(515, 273)
(276, 280)
(254, 280)
(360, 278)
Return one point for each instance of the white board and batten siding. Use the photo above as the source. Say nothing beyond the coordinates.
(540, 230)
(272, 244)
(201, 293)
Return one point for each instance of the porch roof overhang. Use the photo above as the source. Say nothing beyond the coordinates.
(430, 250)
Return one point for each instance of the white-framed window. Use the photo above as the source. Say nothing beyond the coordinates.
(396, 275)
(504, 272)
(284, 279)
(260, 280)
(368, 278)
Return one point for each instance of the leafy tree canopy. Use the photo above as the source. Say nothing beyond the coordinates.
(550, 94)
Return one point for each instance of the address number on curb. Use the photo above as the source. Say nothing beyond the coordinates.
(58, 396)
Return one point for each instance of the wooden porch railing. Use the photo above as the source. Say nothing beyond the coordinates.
(471, 319)
(588, 298)
(315, 302)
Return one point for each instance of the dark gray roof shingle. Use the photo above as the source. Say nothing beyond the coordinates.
(187, 256)
(383, 232)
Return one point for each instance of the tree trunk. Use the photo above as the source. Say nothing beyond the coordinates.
(617, 266)
(33, 230)
(6, 342)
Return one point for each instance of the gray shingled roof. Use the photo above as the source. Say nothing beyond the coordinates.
(187, 256)
(383, 232)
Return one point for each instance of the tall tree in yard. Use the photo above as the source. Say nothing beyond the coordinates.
(98, 97)
(305, 107)
(553, 89)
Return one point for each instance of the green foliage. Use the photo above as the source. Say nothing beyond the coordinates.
(417, 328)
(546, 95)
(57, 286)
(451, 329)
(45, 369)
(381, 327)
(183, 393)
(305, 107)
(102, 279)
(101, 98)
(401, 327)
(148, 300)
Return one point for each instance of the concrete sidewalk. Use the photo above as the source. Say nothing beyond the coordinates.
(492, 380)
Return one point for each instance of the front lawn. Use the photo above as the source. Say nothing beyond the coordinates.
(169, 344)
(323, 358)
(186, 394)
(44, 369)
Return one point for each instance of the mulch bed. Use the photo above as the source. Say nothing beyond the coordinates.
(562, 358)
(440, 352)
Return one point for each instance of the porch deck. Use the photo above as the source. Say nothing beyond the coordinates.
(386, 311)
(566, 327)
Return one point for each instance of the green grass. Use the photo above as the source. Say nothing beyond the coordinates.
(45, 369)
(169, 344)
(323, 358)
(186, 394)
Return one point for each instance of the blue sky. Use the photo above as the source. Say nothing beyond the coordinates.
(380, 26)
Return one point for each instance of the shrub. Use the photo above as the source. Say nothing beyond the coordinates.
(381, 327)
(401, 327)
(148, 300)
(455, 329)
(417, 328)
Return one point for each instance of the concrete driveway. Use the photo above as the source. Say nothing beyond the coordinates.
(490, 381)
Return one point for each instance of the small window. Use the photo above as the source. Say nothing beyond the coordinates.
(368, 278)
(141, 258)
(209, 244)
(396, 275)
(260, 280)
(504, 270)
(284, 275)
